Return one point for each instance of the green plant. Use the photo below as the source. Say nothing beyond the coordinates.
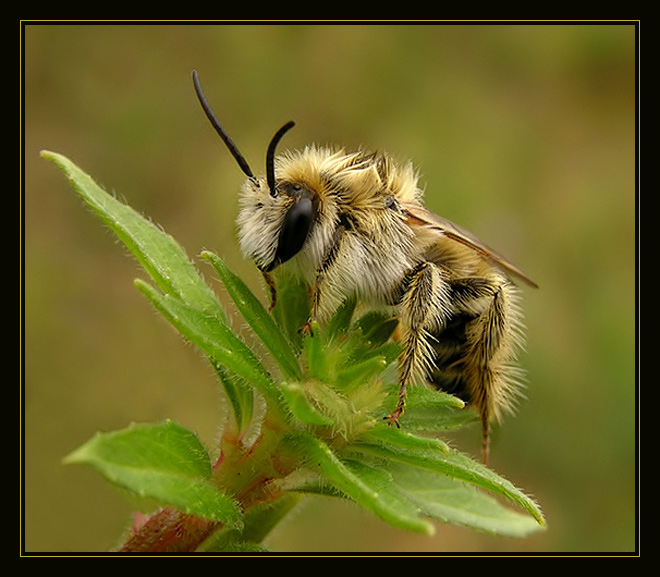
(321, 431)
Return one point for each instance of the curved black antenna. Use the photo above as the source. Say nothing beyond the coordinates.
(270, 155)
(221, 131)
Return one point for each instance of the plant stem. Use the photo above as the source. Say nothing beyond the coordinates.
(169, 531)
(246, 473)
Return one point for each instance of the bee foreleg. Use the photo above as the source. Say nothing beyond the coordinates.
(322, 272)
(424, 308)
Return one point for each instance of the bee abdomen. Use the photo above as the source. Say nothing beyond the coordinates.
(450, 346)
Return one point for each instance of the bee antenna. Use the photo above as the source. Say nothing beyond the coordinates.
(221, 131)
(270, 155)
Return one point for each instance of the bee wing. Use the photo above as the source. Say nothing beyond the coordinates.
(417, 215)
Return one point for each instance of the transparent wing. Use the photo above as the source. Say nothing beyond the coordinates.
(417, 215)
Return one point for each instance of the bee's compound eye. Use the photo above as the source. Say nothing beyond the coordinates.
(295, 228)
(392, 203)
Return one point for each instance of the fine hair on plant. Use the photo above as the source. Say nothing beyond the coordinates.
(321, 431)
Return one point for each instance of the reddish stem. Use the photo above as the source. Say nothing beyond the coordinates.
(169, 531)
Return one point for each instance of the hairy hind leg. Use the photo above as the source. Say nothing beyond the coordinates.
(424, 308)
(492, 338)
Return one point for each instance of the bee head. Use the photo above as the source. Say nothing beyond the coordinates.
(277, 216)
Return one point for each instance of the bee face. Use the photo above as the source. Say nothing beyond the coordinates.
(273, 228)
(295, 219)
(331, 211)
(353, 225)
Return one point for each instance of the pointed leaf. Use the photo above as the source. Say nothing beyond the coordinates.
(260, 520)
(317, 355)
(455, 465)
(160, 255)
(431, 410)
(451, 501)
(300, 405)
(165, 463)
(361, 372)
(377, 327)
(340, 322)
(392, 436)
(217, 340)
(258, 318)
(240, 396)
(292, 309)
(361, 484)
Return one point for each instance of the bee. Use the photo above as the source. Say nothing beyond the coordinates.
(353, 224)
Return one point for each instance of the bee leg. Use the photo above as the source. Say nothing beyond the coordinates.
(424, 306)
(484, 342)
(492, 340)
(315, 297)
(321, 273)
(306, 329)
(270, 283)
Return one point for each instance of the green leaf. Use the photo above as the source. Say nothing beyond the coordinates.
(454, 465)
(258, 522)
(258, 318)
(300, 405)
(451, 501)
(371, 489)
(365, 348)
(240, 396)
(291, 311)
(340, 322)
(160, 255)
(317, 355)
(217, 340)
(376, 327)
(165, 463)
(431, 410)
(422, 396)
(437, 418)
(359, 373)
(391, 504)
(392, 436)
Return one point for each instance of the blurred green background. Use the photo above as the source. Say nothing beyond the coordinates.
(524, 134)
